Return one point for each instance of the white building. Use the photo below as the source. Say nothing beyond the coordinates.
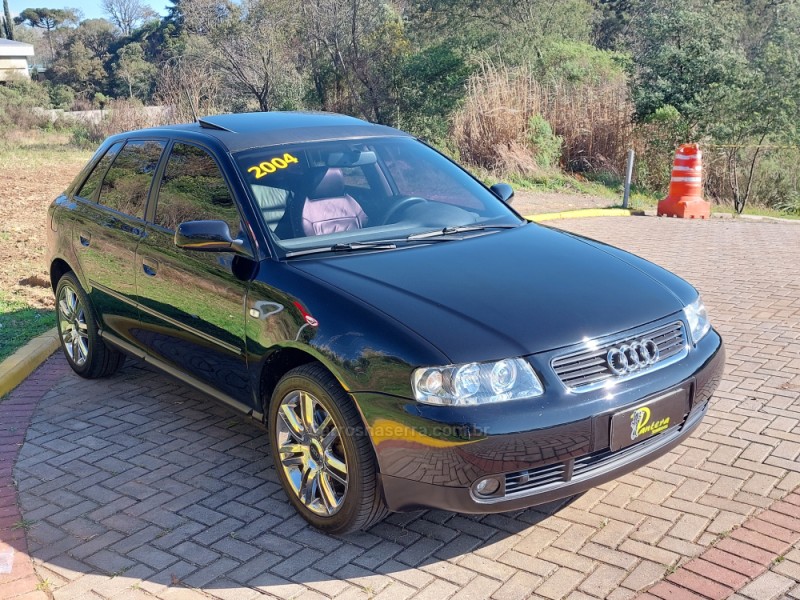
(14, 59)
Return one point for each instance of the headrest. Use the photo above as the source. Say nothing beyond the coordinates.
(330, 185)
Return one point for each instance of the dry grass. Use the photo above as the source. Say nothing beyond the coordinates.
(594, 120)
(124, 115)
(35, 167)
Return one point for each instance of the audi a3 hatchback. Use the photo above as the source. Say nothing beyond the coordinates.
(407, 339)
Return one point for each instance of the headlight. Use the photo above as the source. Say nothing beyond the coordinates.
(697, 318)
(476, 383)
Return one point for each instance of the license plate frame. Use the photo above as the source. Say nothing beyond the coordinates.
(653, 416)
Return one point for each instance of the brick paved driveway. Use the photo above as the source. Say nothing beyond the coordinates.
(139, 486)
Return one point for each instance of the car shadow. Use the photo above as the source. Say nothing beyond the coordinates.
(139, 476)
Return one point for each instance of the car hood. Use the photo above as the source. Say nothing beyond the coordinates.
(504, 293)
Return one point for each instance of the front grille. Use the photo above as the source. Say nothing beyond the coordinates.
(531, 480)
(521, 481)
(588, 369)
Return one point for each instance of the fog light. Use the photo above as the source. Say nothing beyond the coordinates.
(488, 486)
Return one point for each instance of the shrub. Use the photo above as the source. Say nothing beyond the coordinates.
(61, 96)
(19, 100)
(790, 204)
(545, 145)
(776, 180)
(655, 142)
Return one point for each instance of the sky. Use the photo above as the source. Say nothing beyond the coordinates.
(91, 8)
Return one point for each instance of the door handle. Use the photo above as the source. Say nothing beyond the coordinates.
(85, 239)
(150, 267)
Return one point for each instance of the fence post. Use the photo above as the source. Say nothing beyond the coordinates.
(628, 175)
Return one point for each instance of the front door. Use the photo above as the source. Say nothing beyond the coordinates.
(192, 303)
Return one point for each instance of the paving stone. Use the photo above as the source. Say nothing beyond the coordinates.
(604, 579)
(194, 553)
(519, 586)
(560, 584)
(715, 572)
(645, 574)
(700, 585)
(767, 586)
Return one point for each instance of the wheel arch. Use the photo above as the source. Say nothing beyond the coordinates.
(285, 358)
(276, 365)
(58, 268)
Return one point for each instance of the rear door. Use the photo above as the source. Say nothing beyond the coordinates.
(193, 303)
(109, 223)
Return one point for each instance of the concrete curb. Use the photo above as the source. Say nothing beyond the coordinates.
(24, 361)
(652, 212)
(584, 213)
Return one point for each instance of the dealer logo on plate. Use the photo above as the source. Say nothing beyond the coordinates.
(641, 425)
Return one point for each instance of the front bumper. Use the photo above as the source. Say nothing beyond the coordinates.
(404, 495)
(431, 457)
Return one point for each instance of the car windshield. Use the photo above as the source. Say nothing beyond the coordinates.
(346, 194)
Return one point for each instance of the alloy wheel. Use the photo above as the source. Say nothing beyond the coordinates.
(311, 453)
(73, 327)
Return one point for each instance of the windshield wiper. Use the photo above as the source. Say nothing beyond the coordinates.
(344, 248)
(457, 229)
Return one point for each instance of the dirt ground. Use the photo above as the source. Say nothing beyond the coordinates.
(34, 170)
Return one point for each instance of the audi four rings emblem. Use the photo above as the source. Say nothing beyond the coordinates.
(635, 356)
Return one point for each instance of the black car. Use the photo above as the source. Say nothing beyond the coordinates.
(406, 337)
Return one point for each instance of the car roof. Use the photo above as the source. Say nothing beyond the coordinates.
(241, 131)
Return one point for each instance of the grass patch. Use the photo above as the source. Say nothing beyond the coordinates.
(20, 323)
(563, 182)
(40, 149)
(759, 211)
(25, 524)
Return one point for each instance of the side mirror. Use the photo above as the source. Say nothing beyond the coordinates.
(503, 191)
(207, 236)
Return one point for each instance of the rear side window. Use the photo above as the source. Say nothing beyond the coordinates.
(193, 189)
(92, 182)
(127, 183)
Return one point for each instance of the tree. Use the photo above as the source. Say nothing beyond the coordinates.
(47, 19)
(250, 44)
(763, 107)
(611, 22)
(128, 14)
(81, 63)
(355, 52)
(682, 52)
(134, 71)
(191, 87)
(8, 23)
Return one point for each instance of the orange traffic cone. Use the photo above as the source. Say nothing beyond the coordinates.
(685, 198)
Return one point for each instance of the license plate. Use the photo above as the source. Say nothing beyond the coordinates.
(649, 418)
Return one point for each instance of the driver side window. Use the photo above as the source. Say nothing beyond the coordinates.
(193, 189)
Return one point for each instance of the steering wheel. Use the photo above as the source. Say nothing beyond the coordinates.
(401, 206)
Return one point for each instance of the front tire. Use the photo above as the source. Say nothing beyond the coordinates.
(85, 351)
(322, 452)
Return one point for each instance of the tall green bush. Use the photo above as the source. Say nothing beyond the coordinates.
(545, 145)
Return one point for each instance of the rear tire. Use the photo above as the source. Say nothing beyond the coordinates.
(322, 452)
(86, 352)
